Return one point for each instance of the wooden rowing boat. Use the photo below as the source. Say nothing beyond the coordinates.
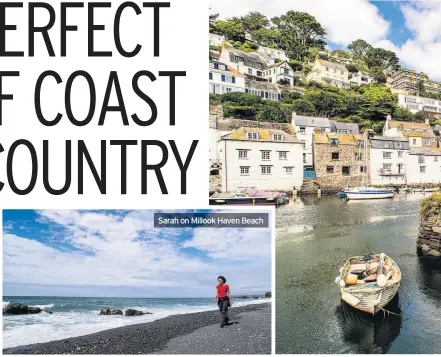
(369, 283)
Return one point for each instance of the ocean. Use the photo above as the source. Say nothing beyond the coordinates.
(78, 316)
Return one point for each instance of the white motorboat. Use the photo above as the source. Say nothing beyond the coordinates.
(367, 193)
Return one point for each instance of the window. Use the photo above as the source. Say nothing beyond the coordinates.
(278, 137)
(360, 143)
(346, 170)
(250, 71)
(252, 136)
(243, 154)
(265, 170)
(358, 156)
(244, 170)
(421, 159)
(435, 159)
(303, 144)
(330, 169)
(423, 169)
(387, 166)
(265, 155)
(288, 170)
(427, 141)
(334, 141)
(210, 76)
(283, 155)
(387, 155)
(414, 141)
(259, 73)
(335, 156)
(302, 129)
(304, 158)
(400, 154)
(363, 169)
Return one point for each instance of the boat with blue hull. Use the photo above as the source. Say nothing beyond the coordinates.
(367, 193)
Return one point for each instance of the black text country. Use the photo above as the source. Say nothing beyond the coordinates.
(96, 165)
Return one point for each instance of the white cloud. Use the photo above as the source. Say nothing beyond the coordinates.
(126, 250)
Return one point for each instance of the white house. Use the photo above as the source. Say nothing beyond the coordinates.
(416, 104)
(360, 78)
(273, 53)
(388, 160)
(280, 73)
(224, 79)
(304, 127)
(262, 158)
(215, 39)
(330, 73)
(424, 166)
(250, 64)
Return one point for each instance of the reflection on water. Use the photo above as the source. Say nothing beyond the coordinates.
(370, 334)
(314, 238)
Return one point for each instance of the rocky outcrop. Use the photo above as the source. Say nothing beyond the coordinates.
(109, 311)
(133, 312)
(429, 237)
(268, 294)
(20, 309)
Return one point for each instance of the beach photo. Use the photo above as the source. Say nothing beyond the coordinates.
(137, 282)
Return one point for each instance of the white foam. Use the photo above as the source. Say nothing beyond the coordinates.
(28, 329)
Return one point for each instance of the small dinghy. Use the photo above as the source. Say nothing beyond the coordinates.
(370, 282)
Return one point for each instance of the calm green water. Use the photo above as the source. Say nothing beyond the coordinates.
(314, 238)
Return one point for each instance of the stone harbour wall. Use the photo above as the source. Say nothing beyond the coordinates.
(429, 236)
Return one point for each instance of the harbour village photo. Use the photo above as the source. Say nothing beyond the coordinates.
(331, 112)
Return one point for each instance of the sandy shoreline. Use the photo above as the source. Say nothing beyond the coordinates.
(196, 333)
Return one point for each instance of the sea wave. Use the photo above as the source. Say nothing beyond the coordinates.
(37, 328)
(48, 306)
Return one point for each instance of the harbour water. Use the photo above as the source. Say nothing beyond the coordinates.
(78, 316)
(314, 238)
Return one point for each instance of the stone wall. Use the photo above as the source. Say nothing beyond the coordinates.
(336, 181)
(429, 237)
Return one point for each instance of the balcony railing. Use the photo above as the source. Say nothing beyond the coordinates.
(384, 172)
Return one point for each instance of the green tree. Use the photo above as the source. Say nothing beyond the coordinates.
(303, 107)
(379, 57)
(326, 103)
(266, 37)
(254, 21)
(299, 31)
(359, 48)
(242, 99)
(352, 68)
(212, 22)
(402, 114)
(272, 112)
(377, 73)
(232, 30)
(340, 53)
(378, 102)
(289, 96)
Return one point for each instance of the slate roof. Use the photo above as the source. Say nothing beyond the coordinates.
(393, 143)
(316, 122)
(408, 125)
(422, 134)
(336, 126)
(249, 57)
(264, 135)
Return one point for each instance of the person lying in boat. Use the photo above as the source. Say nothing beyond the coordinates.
(223, 298)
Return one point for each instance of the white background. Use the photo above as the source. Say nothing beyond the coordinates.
(183, 47)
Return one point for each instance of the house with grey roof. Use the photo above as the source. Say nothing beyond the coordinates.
(304, 127)
(265, 90)
(388, 160)
(250, 64)
(344, 128)
(331, 73)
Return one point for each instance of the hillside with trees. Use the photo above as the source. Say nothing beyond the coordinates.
(303, 39)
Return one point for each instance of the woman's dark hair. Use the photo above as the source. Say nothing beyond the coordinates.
(223, 278)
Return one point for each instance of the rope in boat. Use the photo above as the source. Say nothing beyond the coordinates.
(390, 312)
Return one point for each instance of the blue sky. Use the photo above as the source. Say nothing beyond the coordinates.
(411, 29)
(120, 253)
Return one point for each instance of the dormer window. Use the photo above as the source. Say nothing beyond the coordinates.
(252, 136)
(334, 141)
(278, 137)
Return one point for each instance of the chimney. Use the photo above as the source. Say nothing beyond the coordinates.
(427, 121)
(293, 118)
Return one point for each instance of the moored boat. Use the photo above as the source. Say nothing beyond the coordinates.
(367, 193)
(369, 283)
(241, 199)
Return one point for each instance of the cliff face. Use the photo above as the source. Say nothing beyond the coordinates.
(429, 237)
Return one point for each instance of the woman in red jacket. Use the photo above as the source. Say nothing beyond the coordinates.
(224, 299)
